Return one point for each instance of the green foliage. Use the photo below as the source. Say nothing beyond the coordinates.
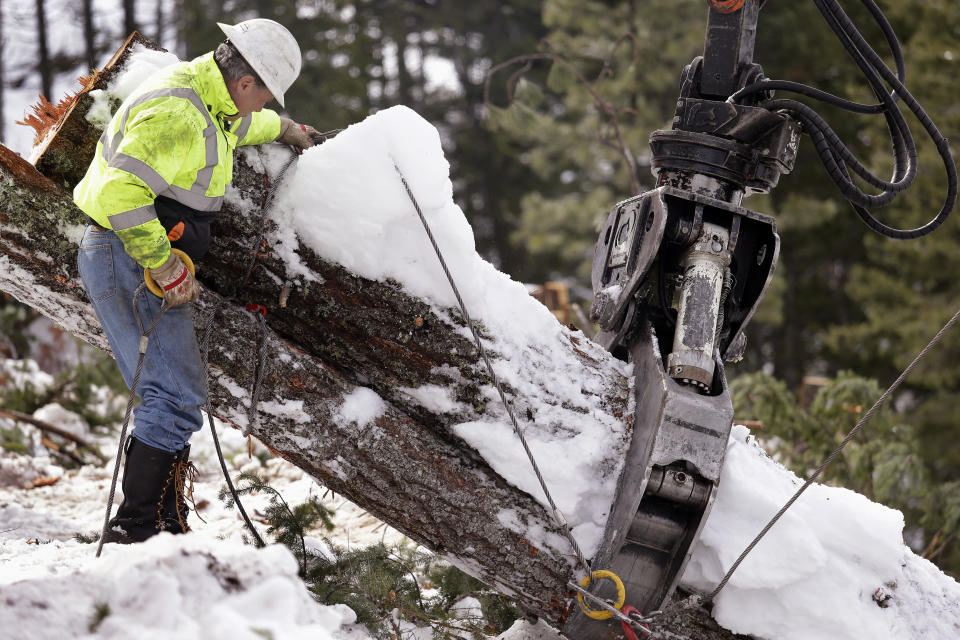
(378, 580)
(25, 397)
(289, 525)
(453, 585)
(373, 581)
(87, 538)
(883, 461)
(100, 612)
(14, 318)
(13, 439)
(87, 390)
(382, 584)
(611, 78)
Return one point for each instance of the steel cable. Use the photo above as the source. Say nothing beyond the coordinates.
(258, 375)
(850, 436)
(144, 343)
(557, 515)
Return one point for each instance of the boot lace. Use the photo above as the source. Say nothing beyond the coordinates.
(182, 476)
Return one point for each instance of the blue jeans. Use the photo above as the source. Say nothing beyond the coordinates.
(172, 385)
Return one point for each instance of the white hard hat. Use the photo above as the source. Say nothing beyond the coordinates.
(269, 49)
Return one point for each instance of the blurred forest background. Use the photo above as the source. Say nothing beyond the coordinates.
(536, 166)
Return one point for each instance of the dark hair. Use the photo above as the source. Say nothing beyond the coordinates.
(232, 65)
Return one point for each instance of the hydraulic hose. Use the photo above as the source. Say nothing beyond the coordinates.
(877, 65)
(889, 87)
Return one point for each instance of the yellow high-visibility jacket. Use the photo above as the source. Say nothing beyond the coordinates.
(169, 138)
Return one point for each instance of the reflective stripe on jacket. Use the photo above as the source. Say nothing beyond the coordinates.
(168, 138)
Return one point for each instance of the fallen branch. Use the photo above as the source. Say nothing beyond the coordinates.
(46, 426)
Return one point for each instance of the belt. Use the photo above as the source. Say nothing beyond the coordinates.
(95, 225)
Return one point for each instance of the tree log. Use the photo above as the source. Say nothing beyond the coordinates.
(323, 343)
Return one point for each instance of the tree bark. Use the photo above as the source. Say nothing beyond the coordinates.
(322, 343)
(2, 78)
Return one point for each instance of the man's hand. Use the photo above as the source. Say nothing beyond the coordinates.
(297, 135)
(176, 281)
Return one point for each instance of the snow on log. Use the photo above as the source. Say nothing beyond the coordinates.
(373, 385)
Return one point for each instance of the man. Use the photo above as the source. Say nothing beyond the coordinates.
(157, 182)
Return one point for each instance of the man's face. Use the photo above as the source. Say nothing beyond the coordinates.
(248, 96)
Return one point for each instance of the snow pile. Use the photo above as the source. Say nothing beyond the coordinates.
(18, 374)
(24, 472)
(68, 421)
(834, 566)
(207, 584)
(183, 587)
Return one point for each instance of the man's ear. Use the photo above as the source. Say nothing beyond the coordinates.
(247, 82)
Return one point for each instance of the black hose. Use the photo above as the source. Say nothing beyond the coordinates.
(805, 90)
(901, 91)
(889, 87)
(901, 135)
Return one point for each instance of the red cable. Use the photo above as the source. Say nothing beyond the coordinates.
(627, 629)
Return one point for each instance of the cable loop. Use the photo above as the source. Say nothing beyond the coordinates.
(621, 594)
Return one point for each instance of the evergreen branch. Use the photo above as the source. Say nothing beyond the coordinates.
(605, 108)
(526, 59)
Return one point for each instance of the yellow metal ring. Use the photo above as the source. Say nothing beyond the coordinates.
(152, 284)
(621, 595)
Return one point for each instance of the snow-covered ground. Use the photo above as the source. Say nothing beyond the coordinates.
(207, 584)
(835, 568)
(822, 573)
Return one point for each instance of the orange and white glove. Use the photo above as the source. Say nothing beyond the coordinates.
(296, 135)
(176, 281)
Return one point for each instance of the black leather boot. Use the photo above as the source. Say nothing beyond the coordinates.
(150, 495)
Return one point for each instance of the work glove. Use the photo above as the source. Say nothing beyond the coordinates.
(296, 135)
(176, 281)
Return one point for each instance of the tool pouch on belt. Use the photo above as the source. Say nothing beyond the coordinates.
(194, 238)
